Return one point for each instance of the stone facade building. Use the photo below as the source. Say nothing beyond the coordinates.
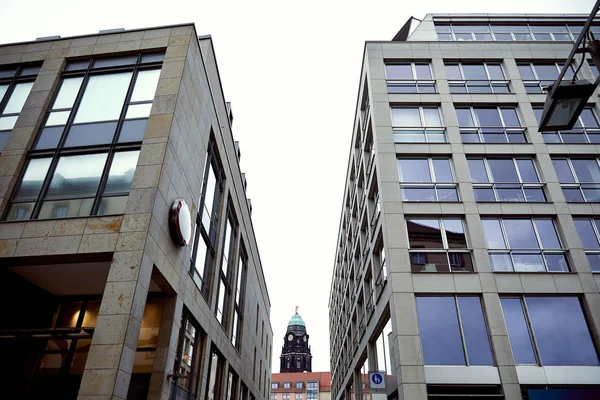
(105, 293)
(467, 262)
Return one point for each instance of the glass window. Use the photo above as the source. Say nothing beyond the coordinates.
(580, 179)
(493, 125)
(588, 230)
(86, 111)
(497, 179)
(14, 90)
(415, 170)
(409, 78)
(420, 171)
(532, 245)
(442, 332)
(417, 124)
(558, 326)
(405, 116)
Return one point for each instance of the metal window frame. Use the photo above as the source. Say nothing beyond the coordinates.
(477, 128)
(540, 250)
(464, 81)
(415, 79)
(194, 378)
(109, 148)
(433, 183)
(12, 82)
(584, 129)
(227, 257)
(577, 183)
(537, 80)
(423, 127)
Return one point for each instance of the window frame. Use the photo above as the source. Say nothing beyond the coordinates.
(204, 283)
(446, 249)
(390, 82)
(577, 184)
(527, 251)
(55, 154)
(464, 81)
(478, 129)
(425, 130)
(494, 186)
(490, 31)
(537, 82)
(581, 130)
(227, 261)
(12, 82)
(193, 381)
(432, 184)
(240, 297)
(588, 251)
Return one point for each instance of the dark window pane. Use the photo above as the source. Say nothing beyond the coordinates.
(484, 194)
(457, 88)
(27, 71)
(501, 262)
(475, 332)
(563, 171)
(33, 179)
(115, 61)
(493, 234)
(477, 170)
(20, 211)
(526, 72)
(424, 234)
(77, 65)
(592, 194)
(546, 72)
(516, 137)
(495, 72)
(528, 262)
(509, 193)
(453, 72)
(556, 262)
(478, 87)
(493, 136)
(500, 88)
(474, 72)
(573, 137)
(447, 194)
(77, 176)
(522, 36)
(572, 195)
(587, 234)
(586, 170)
(455, 234)
(464, 117)
(460, 262)
(436, 136)
(547, 232)
(91, 134)
(152, 57)
(510, 117)
(588, 118)
(503, 170)
(3, 138)
(121, 172)
(402, 88)
(560, 330)
(520, 234)
(518, 333)
(488, 117)
(469, 137)
(483, 36)
(551, 137)
(534, 195)
(542, 36)
(49, 137)
(441, 169)
(8, 72)
(426, 88)
(429, 262)
(423, 71)
(399, 71)
(594, 261)
(133, 131)
(440, 333)
(527, 170)
(441, 28)
(415, 170)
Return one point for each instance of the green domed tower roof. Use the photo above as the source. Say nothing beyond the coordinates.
(296, 320)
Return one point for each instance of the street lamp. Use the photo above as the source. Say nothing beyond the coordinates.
(566, 99)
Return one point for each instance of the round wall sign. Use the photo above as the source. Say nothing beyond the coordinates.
(180, 222)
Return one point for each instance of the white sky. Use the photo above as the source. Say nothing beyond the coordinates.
(290, 70)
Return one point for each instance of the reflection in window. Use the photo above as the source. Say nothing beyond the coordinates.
(15, 85)
(427, 179)
(524, 245)
(448, 339)
(505, 179)
(490, 125)
(383, 346)
(538, 76)
(215, 375)
(225, 276)
(476, 78)
(417, 124)
(589, 234)
(557, 326)
(409, 78)
(579, 179)
(585, 130)
(438, 245)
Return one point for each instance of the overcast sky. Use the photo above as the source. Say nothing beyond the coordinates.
(290, 70)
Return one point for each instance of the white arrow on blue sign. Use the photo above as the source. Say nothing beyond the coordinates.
(377, 380)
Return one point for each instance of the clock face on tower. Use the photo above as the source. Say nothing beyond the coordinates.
(290, 337)
(304, 338)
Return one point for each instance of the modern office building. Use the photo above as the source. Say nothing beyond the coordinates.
(301, 386)
(128, 262)
(468, 254)
(295, 352)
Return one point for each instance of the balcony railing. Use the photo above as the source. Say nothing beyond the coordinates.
(422, 260)
(411, 86)
(479, 86)
(509, 192)
(492, 135)
(419, 135)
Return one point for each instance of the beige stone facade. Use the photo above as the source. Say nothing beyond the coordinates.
(121, 264)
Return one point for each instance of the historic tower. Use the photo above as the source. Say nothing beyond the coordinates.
(295, 353)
